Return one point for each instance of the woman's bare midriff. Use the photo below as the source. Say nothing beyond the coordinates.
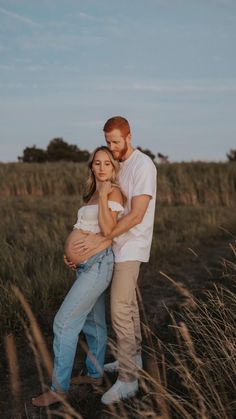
(74, 256)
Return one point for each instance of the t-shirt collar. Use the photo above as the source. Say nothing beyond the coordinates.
(130, 157)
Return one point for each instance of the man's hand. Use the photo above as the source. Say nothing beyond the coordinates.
(87, 244)
(71, 265)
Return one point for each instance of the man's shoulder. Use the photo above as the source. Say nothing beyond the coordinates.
(143, 160)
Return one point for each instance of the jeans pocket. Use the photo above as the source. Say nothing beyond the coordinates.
(86, 267)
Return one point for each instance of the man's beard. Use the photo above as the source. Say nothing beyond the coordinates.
(122, 152)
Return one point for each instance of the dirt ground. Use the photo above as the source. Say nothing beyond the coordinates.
(196, 272)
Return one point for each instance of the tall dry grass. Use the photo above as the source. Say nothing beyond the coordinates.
(33, 231)
(193, 183)
(193, 377)
(22, 179)
(197, 183)
(189, 375)
(43, 362)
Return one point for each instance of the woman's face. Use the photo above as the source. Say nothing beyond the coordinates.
(102, 166)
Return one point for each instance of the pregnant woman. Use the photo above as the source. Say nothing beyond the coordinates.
(84, 305)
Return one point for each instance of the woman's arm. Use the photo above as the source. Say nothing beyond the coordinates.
(107, 218)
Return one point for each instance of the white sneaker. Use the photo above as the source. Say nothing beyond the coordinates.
(120, 390)
(114, 366)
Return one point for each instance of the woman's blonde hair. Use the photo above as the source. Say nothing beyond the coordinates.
(91, 181)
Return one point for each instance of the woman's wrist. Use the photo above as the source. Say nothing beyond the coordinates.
(103, 196)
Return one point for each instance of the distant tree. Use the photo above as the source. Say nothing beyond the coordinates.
(162, 158)
(231, 155)
(83, 155)
(147, 152)
(33, 155)
(58, 149)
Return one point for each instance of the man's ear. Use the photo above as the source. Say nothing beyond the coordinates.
(128, 138)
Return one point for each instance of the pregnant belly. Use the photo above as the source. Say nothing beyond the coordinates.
(73, 255)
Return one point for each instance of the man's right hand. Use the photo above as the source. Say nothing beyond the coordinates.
(71, 265)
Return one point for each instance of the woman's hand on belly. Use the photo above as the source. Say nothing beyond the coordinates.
(70, 265)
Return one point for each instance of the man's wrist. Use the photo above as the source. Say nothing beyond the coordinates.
(109, 237)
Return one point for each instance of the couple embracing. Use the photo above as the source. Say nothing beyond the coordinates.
(110, 239)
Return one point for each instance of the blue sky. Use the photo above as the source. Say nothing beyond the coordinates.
(169, 66)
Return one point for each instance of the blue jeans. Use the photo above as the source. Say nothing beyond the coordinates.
(83, 309)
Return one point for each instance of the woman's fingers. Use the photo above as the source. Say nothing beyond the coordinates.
(104, 188)
(66, 261)
(71, 265)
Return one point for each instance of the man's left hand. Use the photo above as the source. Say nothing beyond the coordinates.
(87, 244)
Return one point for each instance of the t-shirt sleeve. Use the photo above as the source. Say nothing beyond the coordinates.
(145, 178)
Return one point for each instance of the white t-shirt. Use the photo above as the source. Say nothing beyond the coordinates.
(137, 176)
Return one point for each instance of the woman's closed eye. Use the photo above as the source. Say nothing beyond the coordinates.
(97, 163)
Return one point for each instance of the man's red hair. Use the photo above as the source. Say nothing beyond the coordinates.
(117, 122)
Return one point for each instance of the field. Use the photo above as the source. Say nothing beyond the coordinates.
(187, 291)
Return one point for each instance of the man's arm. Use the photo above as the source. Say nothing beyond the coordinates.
(139, 206)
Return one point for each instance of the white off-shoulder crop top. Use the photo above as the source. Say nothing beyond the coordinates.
(88, 216)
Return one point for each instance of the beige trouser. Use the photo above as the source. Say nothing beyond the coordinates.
(125, 317)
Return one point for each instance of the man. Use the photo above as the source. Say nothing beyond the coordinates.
(133, 237)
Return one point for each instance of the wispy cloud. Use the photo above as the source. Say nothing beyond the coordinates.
(21, 18)
(223, 1)
(186, 87)
(85, 16)
(171, 86)
(11, 85)
(93, 18)
(61, 24)
(87, 123)
(34, 68)
(3, 48)
(46, 41)
(6, 67)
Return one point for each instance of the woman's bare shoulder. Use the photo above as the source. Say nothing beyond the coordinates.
(116, 195)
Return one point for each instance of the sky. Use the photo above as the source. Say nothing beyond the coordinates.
(168, 66)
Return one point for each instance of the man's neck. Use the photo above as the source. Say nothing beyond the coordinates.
(128, 153)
